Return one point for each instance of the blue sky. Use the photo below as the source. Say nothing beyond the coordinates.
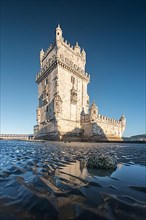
(113, 36)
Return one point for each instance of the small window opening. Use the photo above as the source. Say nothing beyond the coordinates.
(46, 82)
(72, 79)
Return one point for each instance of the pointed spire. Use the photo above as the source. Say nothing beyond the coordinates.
(123, 115)
(83, 51)
(122, 118)
(77, 48)
(58, 28)
(93, 105)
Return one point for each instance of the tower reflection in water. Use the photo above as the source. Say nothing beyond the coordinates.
(77, 172)
(74, 172)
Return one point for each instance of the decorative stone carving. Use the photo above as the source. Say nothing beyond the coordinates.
(57, 104)
(73, 96)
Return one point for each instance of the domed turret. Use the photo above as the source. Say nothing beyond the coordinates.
(77, 48)
(123, 119)
(41, 57)
(58, 33)
(93, 110)
(123, 123)
(83, 53)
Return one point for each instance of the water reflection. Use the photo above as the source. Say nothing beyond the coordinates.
(131, 173)
(79, 169)
(100, 172)
(126, 175)
(75, 172)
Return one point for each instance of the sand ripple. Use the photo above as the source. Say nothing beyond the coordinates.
(50, 181)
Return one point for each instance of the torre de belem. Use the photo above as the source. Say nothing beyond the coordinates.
(63, 111)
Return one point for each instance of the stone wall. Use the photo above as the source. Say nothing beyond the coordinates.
(102, 127)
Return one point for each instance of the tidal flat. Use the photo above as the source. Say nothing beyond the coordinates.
(50, 180)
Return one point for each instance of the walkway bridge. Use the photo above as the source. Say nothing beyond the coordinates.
(16, 136)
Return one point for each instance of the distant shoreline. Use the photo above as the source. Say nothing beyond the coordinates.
(35, 140)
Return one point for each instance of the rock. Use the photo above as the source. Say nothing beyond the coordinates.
(102, 161)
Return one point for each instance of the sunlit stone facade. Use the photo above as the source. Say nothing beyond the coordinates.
(63, 111)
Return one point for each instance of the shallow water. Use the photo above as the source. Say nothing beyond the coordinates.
(49, 180)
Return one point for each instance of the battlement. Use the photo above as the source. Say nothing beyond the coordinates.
(100, 118)
(107, 119)
(60, 50)
(49, 65)
(66, 64)
(76, 50)
(56, 54)
(50, 48)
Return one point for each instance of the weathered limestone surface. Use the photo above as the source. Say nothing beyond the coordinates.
(63, 111)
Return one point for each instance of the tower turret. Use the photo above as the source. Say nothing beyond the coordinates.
(93, 111)
(83, 54)
(58, 33)
(41, 57)
(123, 120)
(77, 48)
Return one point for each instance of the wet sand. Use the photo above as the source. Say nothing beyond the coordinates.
(49, 180)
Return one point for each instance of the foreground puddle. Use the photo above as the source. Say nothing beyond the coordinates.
(126, 178)
(123, 191)
(130, 174)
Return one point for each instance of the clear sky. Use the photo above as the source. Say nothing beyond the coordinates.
(113, 36)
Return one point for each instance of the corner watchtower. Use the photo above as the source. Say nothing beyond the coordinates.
(58, 33)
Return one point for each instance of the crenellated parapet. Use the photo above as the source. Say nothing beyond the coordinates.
(47, 68)
(106, 119)
(60, 51)
(65, 63)
(94, 116)
(75, 50)
(100, 118)
(50, 48)
(102, 126)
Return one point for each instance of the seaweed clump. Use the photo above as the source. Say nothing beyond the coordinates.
(102, 162)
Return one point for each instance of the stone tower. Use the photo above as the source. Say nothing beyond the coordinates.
(63, 110)
(62, 90)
